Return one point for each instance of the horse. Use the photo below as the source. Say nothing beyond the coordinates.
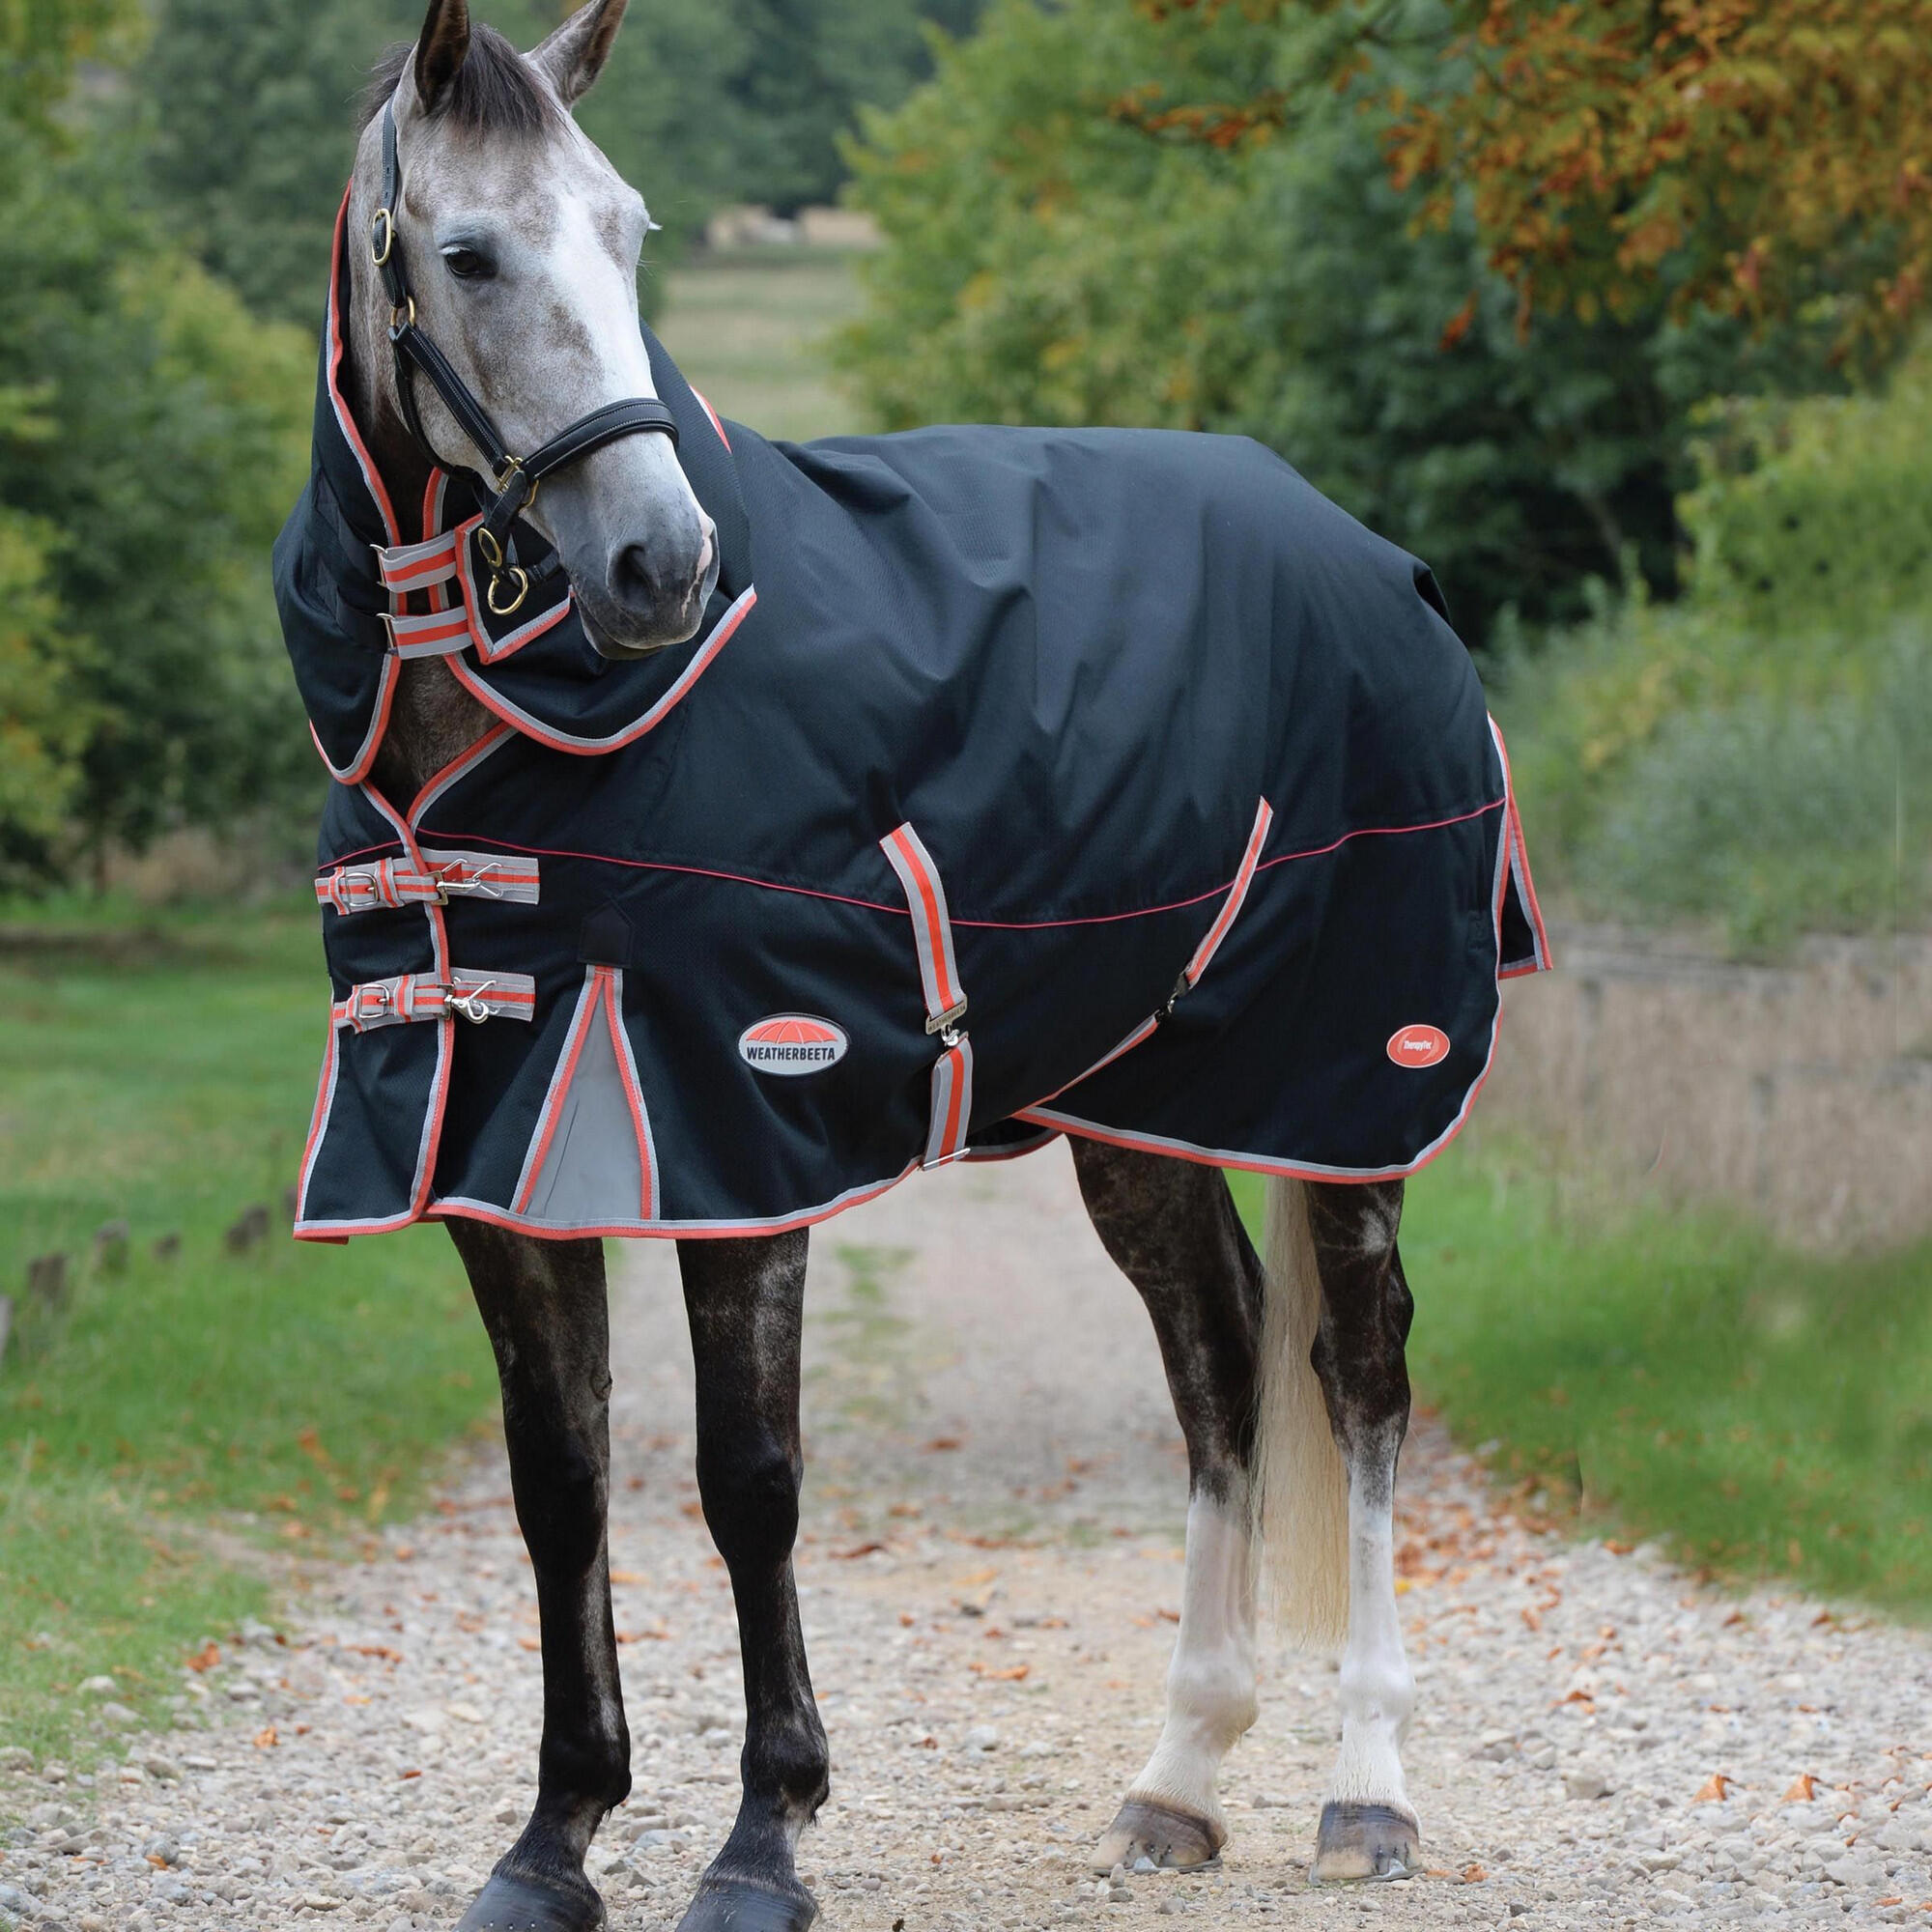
(1287, 1373)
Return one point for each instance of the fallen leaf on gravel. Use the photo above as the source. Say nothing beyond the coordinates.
(1168, 1616)
(858, 1550)
(659, 1635)
(382, 1650)
(629, 1577)
(941, 1443)
(1802, 1788)
(1713, 1789)
(206, 1658)
(1894, 1899)
(530, 1643)
(267, 1739)
(1474, 1875)
(1013, 1673)
(407, 1775)
(1531, 1620)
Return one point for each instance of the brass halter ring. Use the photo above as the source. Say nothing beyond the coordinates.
(515, 603)
(381, 256)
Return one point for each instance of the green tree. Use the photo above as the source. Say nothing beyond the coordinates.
(166, 435)
(248, 110)
(1048, 261)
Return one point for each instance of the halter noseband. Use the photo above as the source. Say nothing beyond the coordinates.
(514, 478)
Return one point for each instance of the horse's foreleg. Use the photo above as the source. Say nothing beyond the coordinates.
(1173, 1229)
(1368, 1828)
(746, 1300)
(542, 1303)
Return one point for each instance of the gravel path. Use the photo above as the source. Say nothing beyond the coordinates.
(989, 1571)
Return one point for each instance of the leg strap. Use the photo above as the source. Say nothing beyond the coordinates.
(945, 996)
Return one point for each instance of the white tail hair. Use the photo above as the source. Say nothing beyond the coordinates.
(1300, 1488)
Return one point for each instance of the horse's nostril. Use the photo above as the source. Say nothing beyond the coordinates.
(634, 578)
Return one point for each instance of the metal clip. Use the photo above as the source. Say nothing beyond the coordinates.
(947, 1024)
(469, 1002)
(479, 887)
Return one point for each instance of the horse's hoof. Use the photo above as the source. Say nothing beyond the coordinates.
(730, 1905)
(1162, 1833)
(516, 1905)
(1360, 1843)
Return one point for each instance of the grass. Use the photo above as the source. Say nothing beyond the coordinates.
(1679, 1375)
(748, 330)
(184, 1413)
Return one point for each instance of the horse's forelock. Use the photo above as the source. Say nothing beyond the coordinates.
(494, 92)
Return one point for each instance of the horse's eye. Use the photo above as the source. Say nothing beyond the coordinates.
(466, 263)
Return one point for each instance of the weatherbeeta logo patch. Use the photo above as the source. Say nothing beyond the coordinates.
(1418, 1046)
(792, 1043)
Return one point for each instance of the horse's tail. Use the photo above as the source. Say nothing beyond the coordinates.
(1300, 1488)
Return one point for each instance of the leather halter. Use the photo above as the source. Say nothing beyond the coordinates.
(513, 478)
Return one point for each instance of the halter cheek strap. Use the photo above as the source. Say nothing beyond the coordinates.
(514, 479)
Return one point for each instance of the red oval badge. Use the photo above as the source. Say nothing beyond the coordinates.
(1418, 1046)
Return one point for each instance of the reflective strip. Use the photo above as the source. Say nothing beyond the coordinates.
(395, 882)
(417, 566)
(419, 996)
(1231, 906)
(945, 997)
(389, 882)
(951, 1103)
(931, 927)
(436, 634)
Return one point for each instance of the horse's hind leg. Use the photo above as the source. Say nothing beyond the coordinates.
(1173, 1229)
(746, 1300)
(542, 1303)
(1367, 1829)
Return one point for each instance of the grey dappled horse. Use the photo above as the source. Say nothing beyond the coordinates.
(1288, 1378)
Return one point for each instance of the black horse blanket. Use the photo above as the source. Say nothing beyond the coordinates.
(1017, 782)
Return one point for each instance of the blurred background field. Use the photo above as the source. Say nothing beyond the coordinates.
(1675, 1282)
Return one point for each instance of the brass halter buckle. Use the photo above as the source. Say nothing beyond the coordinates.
(513, 467)
(383, 220)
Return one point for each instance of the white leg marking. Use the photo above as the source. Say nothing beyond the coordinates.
(1377, 1691)
(1210, 1683)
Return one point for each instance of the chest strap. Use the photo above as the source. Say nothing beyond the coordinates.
(419, 566)
(939, 979)
(419, 996)
(390, 883)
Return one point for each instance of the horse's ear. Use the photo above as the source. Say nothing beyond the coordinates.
(573, 56)
(442, 47)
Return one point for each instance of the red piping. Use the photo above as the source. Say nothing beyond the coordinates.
(901, 912)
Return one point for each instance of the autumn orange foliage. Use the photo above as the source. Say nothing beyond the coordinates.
(1752, 157)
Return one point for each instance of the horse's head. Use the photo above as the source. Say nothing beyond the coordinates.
(521, 246)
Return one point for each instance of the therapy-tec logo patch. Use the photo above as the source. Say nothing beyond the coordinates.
(792, 1044)
(1418, 1046)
